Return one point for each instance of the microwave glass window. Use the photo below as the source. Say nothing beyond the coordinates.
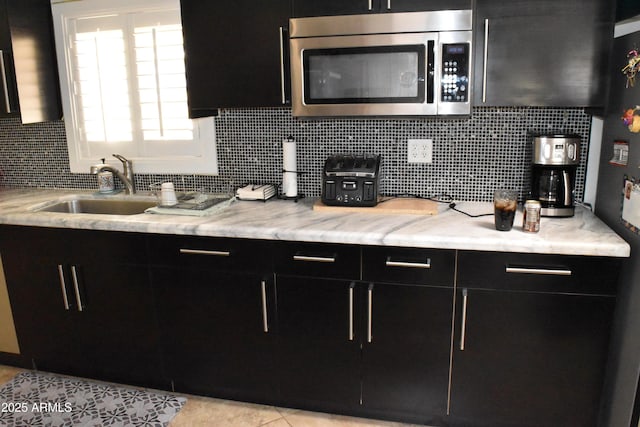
(347, 75)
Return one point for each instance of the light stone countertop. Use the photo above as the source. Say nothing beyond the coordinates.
(583, 234)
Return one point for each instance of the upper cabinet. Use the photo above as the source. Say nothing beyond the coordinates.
(542, 52)
(303, 8)
(29, 87)
(235, 54)
(627, 9)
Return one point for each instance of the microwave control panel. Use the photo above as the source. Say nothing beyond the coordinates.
(454, 81)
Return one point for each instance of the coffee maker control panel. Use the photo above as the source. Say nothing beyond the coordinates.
(556, 150)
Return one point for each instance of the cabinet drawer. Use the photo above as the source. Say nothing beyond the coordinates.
(318, 260)
(538, 272)
(211, 252)
(408, 265)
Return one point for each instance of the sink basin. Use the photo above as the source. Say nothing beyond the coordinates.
(99, 206)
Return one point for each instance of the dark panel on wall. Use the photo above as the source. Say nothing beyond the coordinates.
(625, 357)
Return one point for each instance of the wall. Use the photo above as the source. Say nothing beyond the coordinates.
(472, 155)
(625, 355)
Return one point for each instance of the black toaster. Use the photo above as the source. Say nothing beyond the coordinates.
(351, 180)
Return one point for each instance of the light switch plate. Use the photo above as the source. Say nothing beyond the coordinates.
(419, 151)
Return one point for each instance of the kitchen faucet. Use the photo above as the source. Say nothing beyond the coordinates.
(126, 177)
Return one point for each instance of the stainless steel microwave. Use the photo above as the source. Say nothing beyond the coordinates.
(388, 64)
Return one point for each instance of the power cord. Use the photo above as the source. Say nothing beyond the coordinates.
(452, 206)
(442, 198)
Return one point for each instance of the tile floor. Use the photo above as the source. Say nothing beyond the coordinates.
(208, 412)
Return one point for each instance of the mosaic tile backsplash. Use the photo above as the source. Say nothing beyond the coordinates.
(471, 156)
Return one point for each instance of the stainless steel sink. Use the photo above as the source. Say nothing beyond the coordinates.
(100, 206)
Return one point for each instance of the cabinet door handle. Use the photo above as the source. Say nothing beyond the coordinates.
(486, 58)
(204, 252)
(369, 312)
(63, 286)
(370, 5)
(463, 326)
(389, 4)
(76, 286)
(390, 263)
(351, 288)
(548, 271)
(5, 83)
(282, 90)
(265, 320)
(314, 258)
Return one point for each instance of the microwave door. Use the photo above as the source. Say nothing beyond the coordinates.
(379, 75)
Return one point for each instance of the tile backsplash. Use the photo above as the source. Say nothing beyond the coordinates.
(471, 156)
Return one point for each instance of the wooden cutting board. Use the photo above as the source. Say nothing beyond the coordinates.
(402, 205)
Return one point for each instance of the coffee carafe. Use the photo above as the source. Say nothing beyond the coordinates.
(553, 173)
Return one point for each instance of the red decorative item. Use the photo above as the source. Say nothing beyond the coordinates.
(631, 119)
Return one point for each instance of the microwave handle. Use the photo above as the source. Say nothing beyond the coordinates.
(486, 58)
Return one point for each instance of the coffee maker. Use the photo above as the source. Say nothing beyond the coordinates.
(553, 173)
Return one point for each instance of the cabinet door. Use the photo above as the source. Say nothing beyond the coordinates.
(217, 331)
(523, 358)
(43, 309)
(422, 5)
(116, 332)
(8, 91)
(319, 343)
(234, 56)
(32, 66)
(303, 8)
(542, 52)
(406, 354)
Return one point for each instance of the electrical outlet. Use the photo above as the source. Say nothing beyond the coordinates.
(419, 150)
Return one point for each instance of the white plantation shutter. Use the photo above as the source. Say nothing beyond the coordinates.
(123, 66)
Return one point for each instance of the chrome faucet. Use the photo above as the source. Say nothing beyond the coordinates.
(126, 176)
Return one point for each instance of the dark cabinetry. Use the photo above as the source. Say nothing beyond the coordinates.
(303, 8)
(81, 303)
(216, 305)
(531, 339)
(542, 52)
(235, 54)
(319, 328)
(29, 85)
(407, 305)
(389, 339)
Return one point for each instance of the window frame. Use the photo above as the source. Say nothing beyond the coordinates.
(63, 12)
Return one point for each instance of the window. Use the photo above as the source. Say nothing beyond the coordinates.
(122, 77)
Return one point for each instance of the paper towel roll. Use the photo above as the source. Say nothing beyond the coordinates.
(290, 169)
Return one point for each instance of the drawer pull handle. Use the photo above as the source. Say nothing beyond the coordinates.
(408, 264)
(265, 319)
(351, 287)
(370, 313)
(63, 286)
(548, 271)
(463, 327)
(203, 252)
(314, 258)
(76, 287)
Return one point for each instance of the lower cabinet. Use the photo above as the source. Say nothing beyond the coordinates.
(370, 348)
(81, 303)
(217, 318)
(338, 328)
(531, 339)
